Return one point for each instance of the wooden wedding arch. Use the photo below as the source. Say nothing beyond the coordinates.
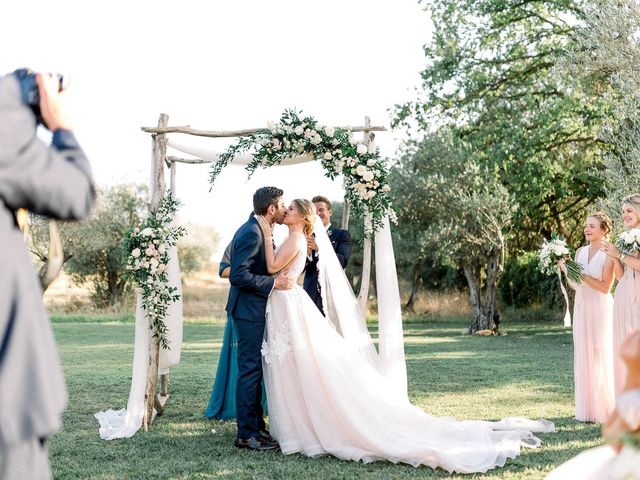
(154, 403)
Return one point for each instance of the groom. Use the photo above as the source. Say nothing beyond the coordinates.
(251, 286)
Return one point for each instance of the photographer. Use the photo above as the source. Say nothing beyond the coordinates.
(54, 181)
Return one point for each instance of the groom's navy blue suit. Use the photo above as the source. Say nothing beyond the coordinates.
(251, 285)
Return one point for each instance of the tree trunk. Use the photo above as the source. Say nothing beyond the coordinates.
(486, 315)
(479, 320)
(415, 279)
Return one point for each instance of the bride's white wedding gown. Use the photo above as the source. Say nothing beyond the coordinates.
(326, 396)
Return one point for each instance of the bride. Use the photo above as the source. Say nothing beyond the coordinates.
(327, 392)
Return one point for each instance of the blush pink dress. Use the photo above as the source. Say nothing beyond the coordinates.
(593, 344)
(626, 319)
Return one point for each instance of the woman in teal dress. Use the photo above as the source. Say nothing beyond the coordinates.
(222, 404)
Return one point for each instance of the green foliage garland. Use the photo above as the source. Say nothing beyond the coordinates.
(146, 256)
(365, 174)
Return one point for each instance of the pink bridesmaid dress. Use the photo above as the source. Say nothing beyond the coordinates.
(592, 344)
(626, 319)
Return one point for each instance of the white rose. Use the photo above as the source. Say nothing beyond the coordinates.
(329, 131)
(299, 130)
(352, 139)
(135, 253)
(327, 156)
(371, 194)
(271, 126)
(386, 188)
(316, 140)
(367, 176)
(147, 232)
(339, 165)
(162, 249)
(361, 170)
(361, 149)
(154, 263)
(371, 162)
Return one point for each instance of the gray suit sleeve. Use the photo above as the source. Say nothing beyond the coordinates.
(50, 180)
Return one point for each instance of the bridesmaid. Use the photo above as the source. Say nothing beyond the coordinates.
(222, 404)
(592, 327)
(626, 304)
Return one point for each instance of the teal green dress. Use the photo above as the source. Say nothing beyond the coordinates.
(222, 404)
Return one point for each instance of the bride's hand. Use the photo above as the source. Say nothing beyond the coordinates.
(265, 227)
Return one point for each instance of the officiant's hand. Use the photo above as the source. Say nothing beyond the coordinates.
(283, 281)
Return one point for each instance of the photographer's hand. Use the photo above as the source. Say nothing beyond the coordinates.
(52, 104)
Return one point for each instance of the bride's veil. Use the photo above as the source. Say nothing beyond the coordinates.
(343, 312)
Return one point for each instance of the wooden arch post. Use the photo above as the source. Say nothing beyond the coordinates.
(363, 296)
(158, 187)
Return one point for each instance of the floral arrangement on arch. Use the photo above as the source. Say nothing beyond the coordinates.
(146, 257)
(365, 174)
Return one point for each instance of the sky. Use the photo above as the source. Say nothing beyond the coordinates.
(218, 65)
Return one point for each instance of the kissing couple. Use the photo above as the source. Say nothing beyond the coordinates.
(327, 390)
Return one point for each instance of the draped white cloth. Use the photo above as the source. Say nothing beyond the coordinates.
(214, 156)
(125, 423)
(349, 320)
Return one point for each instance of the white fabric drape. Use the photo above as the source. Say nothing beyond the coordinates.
(125, 423)
(342, 309)
(214, 156)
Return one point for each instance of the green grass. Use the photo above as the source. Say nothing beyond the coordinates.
(527, 372)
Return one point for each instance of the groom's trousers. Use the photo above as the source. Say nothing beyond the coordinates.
(249, 414)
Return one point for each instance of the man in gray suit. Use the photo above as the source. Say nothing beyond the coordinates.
(54, 181)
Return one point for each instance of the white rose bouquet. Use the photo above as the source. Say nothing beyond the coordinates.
(146, 256)
(552, 252)
(629, 242)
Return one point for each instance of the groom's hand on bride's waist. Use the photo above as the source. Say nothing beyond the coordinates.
(283, 282)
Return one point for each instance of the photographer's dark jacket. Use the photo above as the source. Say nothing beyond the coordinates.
(54, 181)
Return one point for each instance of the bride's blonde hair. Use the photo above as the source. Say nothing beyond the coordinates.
(307, 210)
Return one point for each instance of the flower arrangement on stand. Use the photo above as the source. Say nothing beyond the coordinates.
(146, 256)
(364, 172)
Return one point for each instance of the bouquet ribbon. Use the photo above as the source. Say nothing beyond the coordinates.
(567, 315)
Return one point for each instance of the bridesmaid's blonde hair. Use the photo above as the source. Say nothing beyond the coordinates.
(605, 222)
(308, 211)
(634, 201)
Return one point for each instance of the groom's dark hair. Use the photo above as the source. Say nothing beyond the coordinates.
(264, 197)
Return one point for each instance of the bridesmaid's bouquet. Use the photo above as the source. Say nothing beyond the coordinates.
(629, 242)
(552, 252)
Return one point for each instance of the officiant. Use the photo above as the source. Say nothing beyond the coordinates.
(340, 241)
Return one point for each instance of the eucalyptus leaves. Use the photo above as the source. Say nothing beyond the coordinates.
(365, 175)
(146, 256)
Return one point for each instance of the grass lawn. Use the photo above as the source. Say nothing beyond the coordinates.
(527, 372)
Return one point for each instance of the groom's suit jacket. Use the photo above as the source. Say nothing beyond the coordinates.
(54, 181)
(250, 281)
(341, 243)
